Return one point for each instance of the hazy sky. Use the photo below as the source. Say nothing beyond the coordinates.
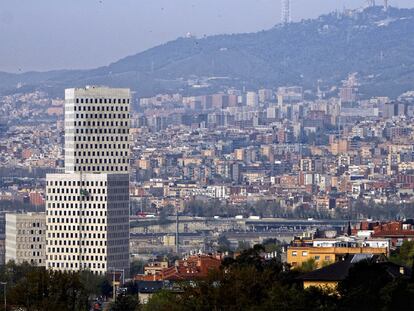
(56, 34)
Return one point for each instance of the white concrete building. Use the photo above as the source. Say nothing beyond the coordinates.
(88, 206)
(25, 238)
(351, 241)
(252, 99)
(265, 95)
(97, 130)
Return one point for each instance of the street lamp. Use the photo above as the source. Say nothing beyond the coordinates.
(5, 295)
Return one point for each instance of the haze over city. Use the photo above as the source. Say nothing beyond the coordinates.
(207, 155)
(85, 34)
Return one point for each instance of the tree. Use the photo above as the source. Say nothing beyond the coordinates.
(36, 288)
(137, 267)
(94, 284)
(47, 290)
(223, 244)
(398, 295)
(308, 265)
(194, 208)
(250, 257)
(106, 288)
(272, 245)
(361, 290)
(243, 245)
(405, 254)
(163, 215)
(247, 282)
(125, 303)
(162, 301)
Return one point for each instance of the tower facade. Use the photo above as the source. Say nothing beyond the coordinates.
(96, 130)
(87, 206)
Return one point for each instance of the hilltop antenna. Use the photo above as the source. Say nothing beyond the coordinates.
(370, 3)
(385, 5)
(286, 18)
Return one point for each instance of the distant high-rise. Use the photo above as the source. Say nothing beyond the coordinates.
(288, 95)
(286, 18)
(265, 95)
(87, 207)
(348, 95)
(252, 99)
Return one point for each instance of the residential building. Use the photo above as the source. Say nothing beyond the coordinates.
(325, 251)
(190, 268)
(25, 238)
(396, 232)
(331, 275)
(252, 99)
(155, 267)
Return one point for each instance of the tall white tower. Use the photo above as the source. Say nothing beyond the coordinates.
(286, 18)
(87, 207)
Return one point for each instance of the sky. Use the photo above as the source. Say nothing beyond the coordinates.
(78, 34)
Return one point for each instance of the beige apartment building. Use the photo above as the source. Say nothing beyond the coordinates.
(25, 238)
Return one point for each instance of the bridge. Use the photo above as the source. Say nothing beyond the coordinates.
(193, 224)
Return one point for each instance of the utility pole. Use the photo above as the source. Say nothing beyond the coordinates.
(177, 235)
(116, 285)
(81, 192)
(113, 286)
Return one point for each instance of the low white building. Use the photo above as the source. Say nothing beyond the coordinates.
(25, 238)
(352, 241)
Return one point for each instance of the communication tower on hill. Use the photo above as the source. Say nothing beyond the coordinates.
(286, 18)
(385, 5)
(370, 3)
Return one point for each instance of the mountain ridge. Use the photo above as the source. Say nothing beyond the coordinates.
(378, 45)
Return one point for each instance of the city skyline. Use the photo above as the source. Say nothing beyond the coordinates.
(29, 45)
(270, 167)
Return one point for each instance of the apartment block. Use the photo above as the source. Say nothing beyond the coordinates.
(25, 238)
